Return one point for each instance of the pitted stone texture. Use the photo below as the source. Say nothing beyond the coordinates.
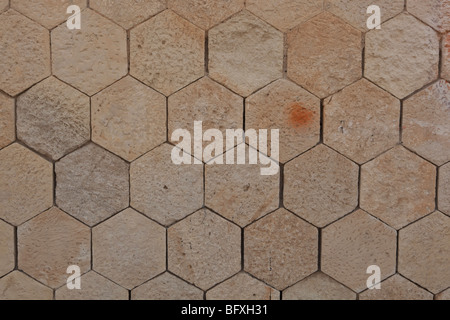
(397, 288)
(331, 60)
(51, 242)
(321, 186)
(53, 118)
(27, 184)
(294, 111)
(204, 249)
(426, 122)
(167, 52)
(398, 187)
(361, 121)
(129, 249)
(435, 13)
(444, 189)
(446, 57)
(245, 53)
(19, 286)
(391, 52)
(206, 13)
(6, 248)
(164, 191)
(166, 287)
(242, 287)
(7, 120)
(129, 118)
(318, 286)
(4, 4)
(98, 53)
(280, 249)
(424, 254)
(445, 295)
(351, 245)
(92, 184)
(25, 53)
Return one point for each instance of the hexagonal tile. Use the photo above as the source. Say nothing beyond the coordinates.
(361, 121)
(51, 242)
(129, 118)
(446, 57)
(398, 187)
(444, 189)
(19, 286)
(98, 53)
(352, 244)
(321, 186)
(25, 59)
(53, 118)
(426, 122)
(173, 58)
(204, 249)
(27, 184)
(445, 295)
(401, 43)
(245, 53)
(92, 184)
(294, 111)
(7, 120)
(280, 249)
(164, 191)
(331, 60)
(424, 254)
(7, 259)
(433, 12)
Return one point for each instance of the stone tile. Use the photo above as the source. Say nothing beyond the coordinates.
(164, 191)
(318, 286)
(398, 187)
(98, 53)
(433, 12)
(444, 189)
(7, 259)
(446, 57)
(27, 184)
(25, 59)
(166, 287)
(445, 295)
(242, 287)
(390, 52)
(361, 121)
(280, 249)
(424, 254)
(51, 242)
(294, 111)
(129, 118)
(426, 122)
(92, 184)
(173, 58)
(4, 4)
(352, 244)
(321, 186)
(53, 118)
(18, 286)
(331, 60)
(7, 120)
(204, 249)
(245, 53)
(129, 249)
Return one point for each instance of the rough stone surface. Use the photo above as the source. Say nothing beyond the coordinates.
(6, 248)
(433, 12)
(280, 249)
(397, 288)
(7, 120)
(18, 286)
(446, 57)
(390, 54)
(445, 295)
(361, 121)
(321, 186)
(444, 189)
(398, 187)
(92, 184)
(4, 5)
(245, 53)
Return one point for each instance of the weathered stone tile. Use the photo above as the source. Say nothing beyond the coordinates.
(446, 57)
(444, 189)
(6, 248)
(445, 295)
(4, 4)
(433, 12)
(19, 286)
(7, 120)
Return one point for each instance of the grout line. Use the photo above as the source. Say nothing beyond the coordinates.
(16, 249)
(319, 255)
(242, 249)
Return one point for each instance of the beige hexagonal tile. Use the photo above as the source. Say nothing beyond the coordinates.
(4, 4)
(98, 53)
(444, 189)
(331, 60)
(92, 184)
(53, 118)
(19, 286)
(445, 295)
(27, 184)
(7, 120)
(175, 56)
(390, 52)
(433, 12)
(204, 249)
(164, 191)
(398, 187)
(424, 254)
(321, 186)
(51, 242)
(245, 53)
(287, 107)
(129, 249)
(361, 121)
(352, 244)
(25, 59)
(7, 251)
(446, 57)
(129, 118)
(280, 249)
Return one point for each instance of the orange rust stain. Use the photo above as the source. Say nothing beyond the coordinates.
(299, 116)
